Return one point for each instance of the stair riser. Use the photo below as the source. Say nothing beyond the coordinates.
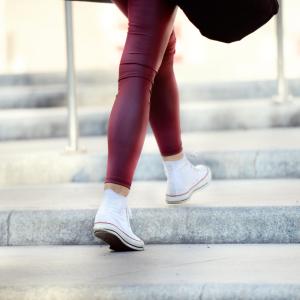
(182, 225)
(32, 98)
(55, 78)
(52, 167)
(205, 291)
(53, 125)
(98, 82)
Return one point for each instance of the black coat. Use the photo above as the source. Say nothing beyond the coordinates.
(225, 20)
(99, 1)
(228, 20)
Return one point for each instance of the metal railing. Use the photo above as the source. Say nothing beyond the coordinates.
(73, 127)
(282, 86)
(283, 94)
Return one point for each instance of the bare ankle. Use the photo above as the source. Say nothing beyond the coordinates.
(174, 157)
(120, 189)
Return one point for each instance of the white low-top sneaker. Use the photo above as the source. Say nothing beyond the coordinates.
(112, 225)
(184, 180)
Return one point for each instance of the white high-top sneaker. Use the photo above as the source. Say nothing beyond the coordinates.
(112, 224)
(183, 179)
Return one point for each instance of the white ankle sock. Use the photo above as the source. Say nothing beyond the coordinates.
(114, 199)
(172, 165)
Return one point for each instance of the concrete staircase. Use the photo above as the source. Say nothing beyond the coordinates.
(236, 154)
(41, 123)
(237, 239)
(227, 211)
(227, 271)
(44, 90)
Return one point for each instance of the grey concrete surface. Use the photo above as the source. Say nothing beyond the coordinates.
(4, 226)
(227, 90)
(209, 141)
(159, 272)
(32, 96)
(257, 211)
(55, 78)
(195, 116)
(150, 194)
(240, 154)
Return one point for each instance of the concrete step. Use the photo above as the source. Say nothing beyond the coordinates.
(204, 115)
(56, 78)
(32, 96)
(240, 154)
(49, 89)
(189, 90)
(234, 211)
(44, 96)
(208, 272)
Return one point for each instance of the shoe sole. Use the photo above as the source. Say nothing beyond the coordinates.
(115, 240)
(204, 182)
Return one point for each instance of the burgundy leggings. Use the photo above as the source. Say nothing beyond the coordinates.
(147, 89)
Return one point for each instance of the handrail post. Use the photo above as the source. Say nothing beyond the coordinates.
(282, 85)
(73, 144)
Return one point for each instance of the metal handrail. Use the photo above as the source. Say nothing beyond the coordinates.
(73, 126)
(282, 87)
(71, 82)
(283, 94)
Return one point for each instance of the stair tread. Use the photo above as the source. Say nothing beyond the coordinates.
(43, 123)
(202, 105)
(150, 194)
(198, 141)
(263, 104)
(160, 265)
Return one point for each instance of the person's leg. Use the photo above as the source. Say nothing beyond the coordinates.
(165, 110)
(164, 102)
(149, 31)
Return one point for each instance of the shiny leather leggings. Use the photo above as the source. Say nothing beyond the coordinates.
(147, 89)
